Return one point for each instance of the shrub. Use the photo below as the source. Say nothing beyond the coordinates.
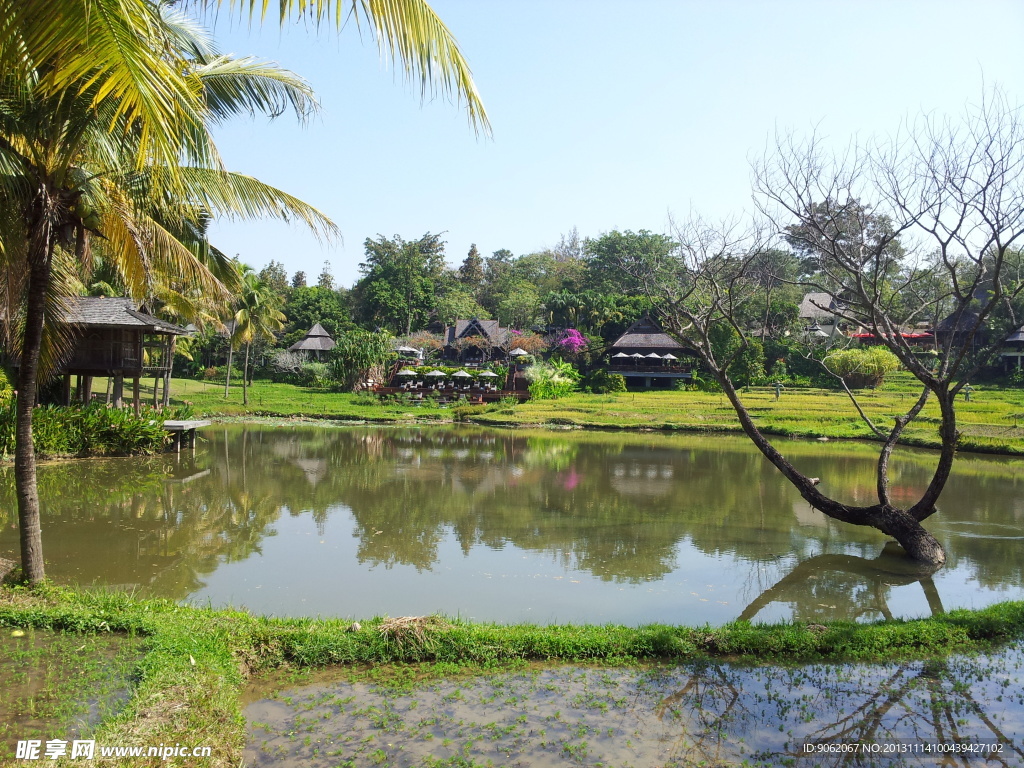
(862, 367)
(315, 374)
(602, 382)
(549, 381)
(92, 430)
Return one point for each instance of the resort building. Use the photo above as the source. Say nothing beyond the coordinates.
(475, 341)
(117, 339)
(649, 358)
(316, 341)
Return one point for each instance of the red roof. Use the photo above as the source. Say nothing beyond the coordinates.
(904, 335)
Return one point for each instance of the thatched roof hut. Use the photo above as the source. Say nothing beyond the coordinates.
(317, 339)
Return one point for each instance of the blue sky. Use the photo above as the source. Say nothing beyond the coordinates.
(606, 115)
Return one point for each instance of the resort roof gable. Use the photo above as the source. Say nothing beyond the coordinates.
(645, 333)
(490, 330)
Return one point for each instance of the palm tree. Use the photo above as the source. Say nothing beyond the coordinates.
(71, 179)
(257, 318)
(100, 106)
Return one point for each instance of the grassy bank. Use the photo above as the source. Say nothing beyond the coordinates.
(195, 661)
(992, 422)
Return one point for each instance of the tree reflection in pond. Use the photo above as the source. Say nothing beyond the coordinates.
(669, 717)
(515, 525)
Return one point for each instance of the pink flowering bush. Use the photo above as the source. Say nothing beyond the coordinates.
(572, 341)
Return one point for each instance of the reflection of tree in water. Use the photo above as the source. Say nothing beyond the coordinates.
(619, 506)
(834, 587)
(768, 714)
(159, 524)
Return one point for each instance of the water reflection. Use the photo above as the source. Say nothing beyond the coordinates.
(516, 525)
(955, 712)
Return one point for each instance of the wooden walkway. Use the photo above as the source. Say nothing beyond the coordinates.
(185, 429)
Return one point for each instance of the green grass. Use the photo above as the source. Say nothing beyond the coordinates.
(196, 660)
(992, 422)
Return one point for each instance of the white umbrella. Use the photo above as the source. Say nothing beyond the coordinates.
(653, 356)
(437, 373)
(518, 352)
(637, 356)
(669, 356)
(461, 375)
(619, 354)
(406, 372)
(488, 374)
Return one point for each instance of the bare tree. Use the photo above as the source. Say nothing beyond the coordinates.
(930, 219)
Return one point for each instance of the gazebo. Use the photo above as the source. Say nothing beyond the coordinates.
(316, 340)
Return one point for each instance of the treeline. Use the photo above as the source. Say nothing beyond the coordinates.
(408, 291)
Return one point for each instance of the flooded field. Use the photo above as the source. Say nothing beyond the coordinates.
(955, 712)
(58, 686)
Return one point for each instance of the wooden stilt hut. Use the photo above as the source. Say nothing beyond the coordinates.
(117, 339)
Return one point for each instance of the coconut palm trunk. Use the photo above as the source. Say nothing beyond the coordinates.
(227, 376)
(245, 376)
(40, 261)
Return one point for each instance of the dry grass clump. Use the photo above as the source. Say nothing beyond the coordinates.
(411, 631)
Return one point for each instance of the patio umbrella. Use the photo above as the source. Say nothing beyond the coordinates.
(619, 354)
(518, 352)
(488, 374)
(462, 375)
(406, 372)
(637, 356)
(669, 356)
(410, 350)
(653, 356)
(437, 373)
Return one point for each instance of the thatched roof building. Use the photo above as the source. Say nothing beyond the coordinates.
(648, 357)
(115, 337)
(317, 339)
(646, 336)
(474, 340)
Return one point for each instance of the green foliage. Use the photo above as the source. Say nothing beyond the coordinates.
(549, 381)
(313, 373)
(601, 381)
(309, 305)
(615, 250)
(400, 282)
(94, 430)
(360, 356)
(747, 366)
(6, 390)
(862, 367)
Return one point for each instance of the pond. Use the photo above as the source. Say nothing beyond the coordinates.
(511, 526)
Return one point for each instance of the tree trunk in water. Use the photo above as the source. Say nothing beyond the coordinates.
(227, 376)
(245, 377)
(902, 525)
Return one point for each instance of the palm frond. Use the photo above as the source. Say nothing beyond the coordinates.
(233, 86)
(409, 32)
